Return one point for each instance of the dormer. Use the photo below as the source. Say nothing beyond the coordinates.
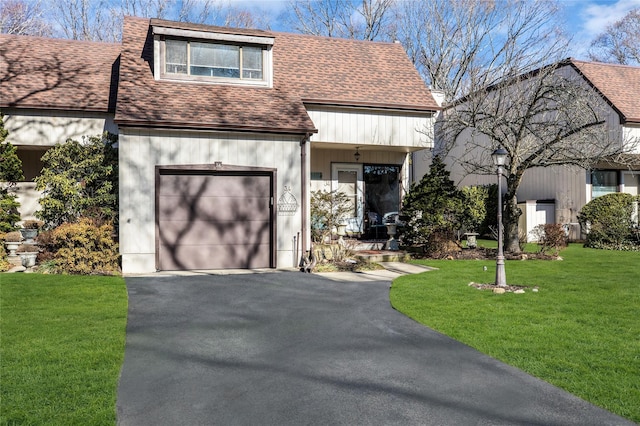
(213, 55)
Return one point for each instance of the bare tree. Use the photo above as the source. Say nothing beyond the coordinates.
(364, 19)
(620, 42)
(23, 18)
(547, 117)
(460, 45)
(101, 20)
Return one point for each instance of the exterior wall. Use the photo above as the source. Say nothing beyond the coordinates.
(142, 149)
(48, 127)
(567, 186)
(403, 129)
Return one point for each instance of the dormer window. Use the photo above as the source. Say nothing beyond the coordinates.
(212, 57)
(184, 57)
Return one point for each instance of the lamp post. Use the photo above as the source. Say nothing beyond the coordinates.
(499, 158)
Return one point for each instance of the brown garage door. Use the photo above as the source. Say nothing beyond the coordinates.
(214, 220)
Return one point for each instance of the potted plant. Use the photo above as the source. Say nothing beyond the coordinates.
(12, 241)
(30, 229)
(28, 254)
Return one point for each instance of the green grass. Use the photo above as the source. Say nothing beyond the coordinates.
(580, 332)
(61, 348)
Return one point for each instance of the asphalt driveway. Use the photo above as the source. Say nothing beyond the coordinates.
(286, 348)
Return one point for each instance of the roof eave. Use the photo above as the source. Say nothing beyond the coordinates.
(372, 105)
(214, 127)
(14, 105)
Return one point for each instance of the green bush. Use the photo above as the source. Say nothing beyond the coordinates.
(79, 179)
(84, 248)
(609, 222)
(10, 173)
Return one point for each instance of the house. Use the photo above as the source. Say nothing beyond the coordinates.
(223, 133)
(556, 194)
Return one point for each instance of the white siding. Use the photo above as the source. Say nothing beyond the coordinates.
(141, 150)
(398, 129)
(631, 135)
(46, 128)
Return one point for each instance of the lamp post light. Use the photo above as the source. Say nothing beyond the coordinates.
(499, 158)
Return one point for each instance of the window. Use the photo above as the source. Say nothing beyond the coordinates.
(603, 182)
(193, 59)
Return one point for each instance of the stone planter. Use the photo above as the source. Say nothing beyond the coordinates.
(12, 246)
(28, 258)
(392, 243)
(341, 230)
(29, 234)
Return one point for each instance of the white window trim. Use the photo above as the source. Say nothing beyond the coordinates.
(265, 42)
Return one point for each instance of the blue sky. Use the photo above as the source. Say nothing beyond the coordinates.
(585, 18)
(588, 18)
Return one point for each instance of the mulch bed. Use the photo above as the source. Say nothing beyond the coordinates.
(481, 253)
(508, 288)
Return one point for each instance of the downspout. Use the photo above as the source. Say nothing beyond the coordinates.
(304, 184)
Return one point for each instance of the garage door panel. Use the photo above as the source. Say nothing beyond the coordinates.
(215, 257)
(211, 233)
(214, 221)
(214, 208)
(214, 185)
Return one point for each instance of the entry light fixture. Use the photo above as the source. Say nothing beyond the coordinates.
(357, 154)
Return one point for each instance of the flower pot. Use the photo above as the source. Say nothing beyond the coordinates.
(12, 246)
(28, 258)
(29, 234)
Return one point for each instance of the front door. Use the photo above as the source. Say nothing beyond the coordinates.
(347, 178)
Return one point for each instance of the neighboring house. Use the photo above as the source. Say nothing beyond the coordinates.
(223, 133)
(557, 194)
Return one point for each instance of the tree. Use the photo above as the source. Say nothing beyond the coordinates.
(10, 173)
(548, 117)
(620, 42)
(79, 179)
(101, 20)
(462, 45)
(434, 208)
(363, 20)
(22, 17)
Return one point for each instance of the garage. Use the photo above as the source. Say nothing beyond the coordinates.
(214, 217)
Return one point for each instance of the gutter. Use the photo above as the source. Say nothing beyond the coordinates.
(304, 184)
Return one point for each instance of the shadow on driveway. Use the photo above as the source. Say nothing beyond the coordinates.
(285, 348)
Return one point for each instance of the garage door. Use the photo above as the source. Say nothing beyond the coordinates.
(215, 220)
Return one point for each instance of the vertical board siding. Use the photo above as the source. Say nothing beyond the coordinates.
(371, 127)
(46, 128)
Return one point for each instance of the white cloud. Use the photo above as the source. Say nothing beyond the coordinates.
(589, 18)
(597, 15)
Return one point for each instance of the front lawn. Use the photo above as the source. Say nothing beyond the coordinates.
(61, 349)
(580, 332)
